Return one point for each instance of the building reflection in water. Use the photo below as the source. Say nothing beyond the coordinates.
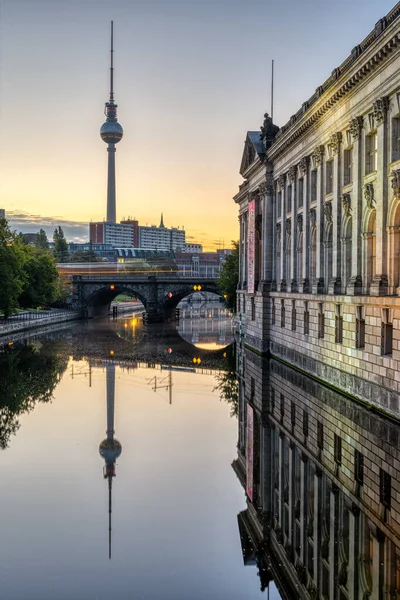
(204, 321)
(322, 482)
(110, 448)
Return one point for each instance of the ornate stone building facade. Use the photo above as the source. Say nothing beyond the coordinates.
(322, 481)
(319, 213)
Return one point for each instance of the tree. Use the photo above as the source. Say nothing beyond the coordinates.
(227, 382)
(12, 276)
(61, 252)
(229, 276)
(41, 278)
(41, 240)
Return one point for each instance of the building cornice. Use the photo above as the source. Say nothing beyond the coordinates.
(365, 58)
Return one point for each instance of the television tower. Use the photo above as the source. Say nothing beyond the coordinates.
(111, 133)
(110, 448)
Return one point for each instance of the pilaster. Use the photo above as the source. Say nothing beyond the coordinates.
(304, 167)
(283, 275)
(335, 284)
(318, 283)
(354, 286)
(292, 176)
(379, 285)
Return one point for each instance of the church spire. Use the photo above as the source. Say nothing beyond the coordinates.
(162, 221)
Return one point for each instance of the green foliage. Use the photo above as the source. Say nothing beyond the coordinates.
(229, 276)
(41, 278)
(61, 252)
(12, 276)
(84, 256)
(41, 240)
(28, 376)
(227, 383)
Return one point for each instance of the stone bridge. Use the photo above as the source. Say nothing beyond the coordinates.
(160, 294)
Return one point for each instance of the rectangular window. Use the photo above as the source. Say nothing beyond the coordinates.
(348, 166)
(294, 316)
(329, 177)
(321, 320)
(396, 138)
(252, 388)
(279, 207)
(301, 192)
(289, 199)
(306, 319)
(282, 407)
(358, 467)
(283, 317)
(338, 324)
(387, 332)
(337, 449)
(371, 149)
(385, 488)
(273, 310)
(313, 186)
(293, 413)
(320, 435)
(253, 308)
(360, 327)
(305, 423)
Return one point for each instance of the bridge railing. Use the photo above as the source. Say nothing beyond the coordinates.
(111, 277)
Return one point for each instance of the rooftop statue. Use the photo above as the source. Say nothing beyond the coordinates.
(268, 131)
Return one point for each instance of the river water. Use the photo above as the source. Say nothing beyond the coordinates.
(160, 462)
(173, 494)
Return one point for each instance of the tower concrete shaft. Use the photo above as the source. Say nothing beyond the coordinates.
(111, 192)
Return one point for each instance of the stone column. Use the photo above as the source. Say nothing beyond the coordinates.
(333, 541)
(240, 251)
(379, 285)
(304, 167)
(318, 283)
(245, 242)
(274, 239)
(304, 491)
(335, 285)
(354, 203)
(282, 283)
(294, 287)
(291, 493)
(267, 192)
(354, 535)
(317, 524)
(281, 480)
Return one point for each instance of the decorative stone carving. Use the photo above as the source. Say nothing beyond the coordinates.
(313, 217)
(262, 188)
(303, 164)
(254, 195)
(328, 212)
(288, 227)
(346, 204)
(318, 155)
(300, 223)
(356, 125)
(381, 106)
(268, 131)
(292, 174)
(281, 180)
(270, 189)
(335, 142)
(369, 195)
(395, 175)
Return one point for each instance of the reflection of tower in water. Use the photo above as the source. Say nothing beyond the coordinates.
(110, 448)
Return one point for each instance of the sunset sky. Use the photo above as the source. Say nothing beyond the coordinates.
(190, 79)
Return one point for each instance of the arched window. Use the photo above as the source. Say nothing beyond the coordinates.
(313, 262)
(300, 273)
(328, 255)
(371, 248)
(347, 249)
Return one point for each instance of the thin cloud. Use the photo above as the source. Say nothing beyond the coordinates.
(75, 231)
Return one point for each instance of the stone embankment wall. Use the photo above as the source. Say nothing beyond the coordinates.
(7, 329)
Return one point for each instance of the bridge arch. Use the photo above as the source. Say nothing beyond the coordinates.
(97, 301)
(168, 303)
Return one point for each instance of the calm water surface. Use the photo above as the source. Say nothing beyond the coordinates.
(174, 495)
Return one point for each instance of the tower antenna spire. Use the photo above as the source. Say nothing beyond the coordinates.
(112, 64)
(272, 91)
